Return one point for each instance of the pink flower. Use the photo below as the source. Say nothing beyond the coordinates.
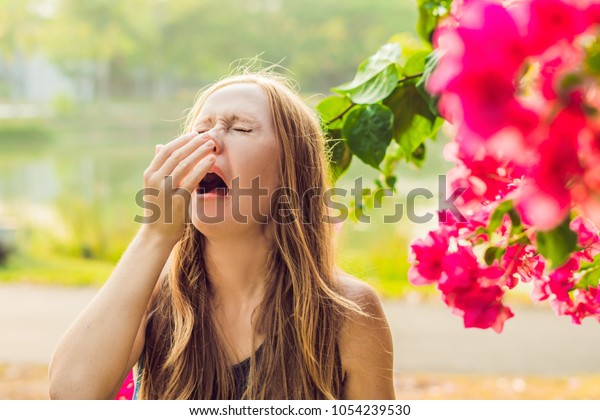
(491, 39)
(461, 177)
(450, 50)
(551, 21)
(593, 13)
(461, 269)
(559, 162)
(480, 307)
(485, 98)
(587, 232)
(545, 201)
(427, 256)
(561, 280)
(479, 61)
(541, 209)
(588, 237)
(555, 62)
(513, 263)
(584, 304)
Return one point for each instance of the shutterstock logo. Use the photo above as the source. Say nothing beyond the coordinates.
(286, 205)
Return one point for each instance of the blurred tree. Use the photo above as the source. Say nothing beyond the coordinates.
(20, 29)
(154, 47)
(101, 37)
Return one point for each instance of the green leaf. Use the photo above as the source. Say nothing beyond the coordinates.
(432, 101)
(516, 228)
(592, 61)
(409, 45)
(490, 255)
(591, 277)
(500, 253)
(340, 157)
(418, 155)
(416, 134)
(415, 64)
(376, 89)
(557, 244)
(426, 23)
(390, 181)
(430, 11)
(368, 129)
(393, 155)
(413, 122)
(481, 231)
(498, 215)
(493, 253)
(332, 107)
(569, 81)
(586, 265)
(375, 78)
(515, 219)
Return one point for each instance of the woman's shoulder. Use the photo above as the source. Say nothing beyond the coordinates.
(365, 343)
(358, 292)
(369, 318)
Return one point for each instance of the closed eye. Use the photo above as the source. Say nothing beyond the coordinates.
(242, 130)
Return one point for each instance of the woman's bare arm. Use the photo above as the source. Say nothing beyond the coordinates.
(366, 347)
(103, 343)
(93, 355)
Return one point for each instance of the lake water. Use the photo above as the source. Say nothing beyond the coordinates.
(79, 178)
(76, 191)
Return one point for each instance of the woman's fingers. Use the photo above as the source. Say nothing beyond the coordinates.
(185, 166)
(180, 154)
(200, 170)
(166, 151)
(182, 163)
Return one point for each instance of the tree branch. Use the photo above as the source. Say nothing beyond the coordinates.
(345, 111)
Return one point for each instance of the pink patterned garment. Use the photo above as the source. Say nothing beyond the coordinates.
(126, 391)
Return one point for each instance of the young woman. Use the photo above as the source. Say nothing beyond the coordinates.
(229, 289)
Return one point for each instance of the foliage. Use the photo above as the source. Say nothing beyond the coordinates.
(380, 105)
(36, 131)
(153, 48)
(522, 100)
(5, 252)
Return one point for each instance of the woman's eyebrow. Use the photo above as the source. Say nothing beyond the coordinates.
(203, 120)
(242, 118)
(232, 118)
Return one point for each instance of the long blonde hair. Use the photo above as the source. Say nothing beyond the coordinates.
(302, 311)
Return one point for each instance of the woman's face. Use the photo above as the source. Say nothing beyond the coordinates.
(238, 119)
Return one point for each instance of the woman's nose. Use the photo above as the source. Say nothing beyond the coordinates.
(216, 135)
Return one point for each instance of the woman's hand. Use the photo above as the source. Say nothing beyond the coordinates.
(176, 170)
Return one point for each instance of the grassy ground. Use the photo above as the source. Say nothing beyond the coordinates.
(31, 382)
(55, 270)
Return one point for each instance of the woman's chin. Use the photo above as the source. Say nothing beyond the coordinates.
(212, 212)
(215, 217)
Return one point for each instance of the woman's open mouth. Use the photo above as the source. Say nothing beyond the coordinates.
(212, 184)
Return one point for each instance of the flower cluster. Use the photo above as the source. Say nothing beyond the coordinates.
(524, 107)
(525, 112)
(449, 258)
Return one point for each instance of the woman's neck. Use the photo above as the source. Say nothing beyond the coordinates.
(237, 268)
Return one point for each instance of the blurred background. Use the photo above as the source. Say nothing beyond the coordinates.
(87, 88)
